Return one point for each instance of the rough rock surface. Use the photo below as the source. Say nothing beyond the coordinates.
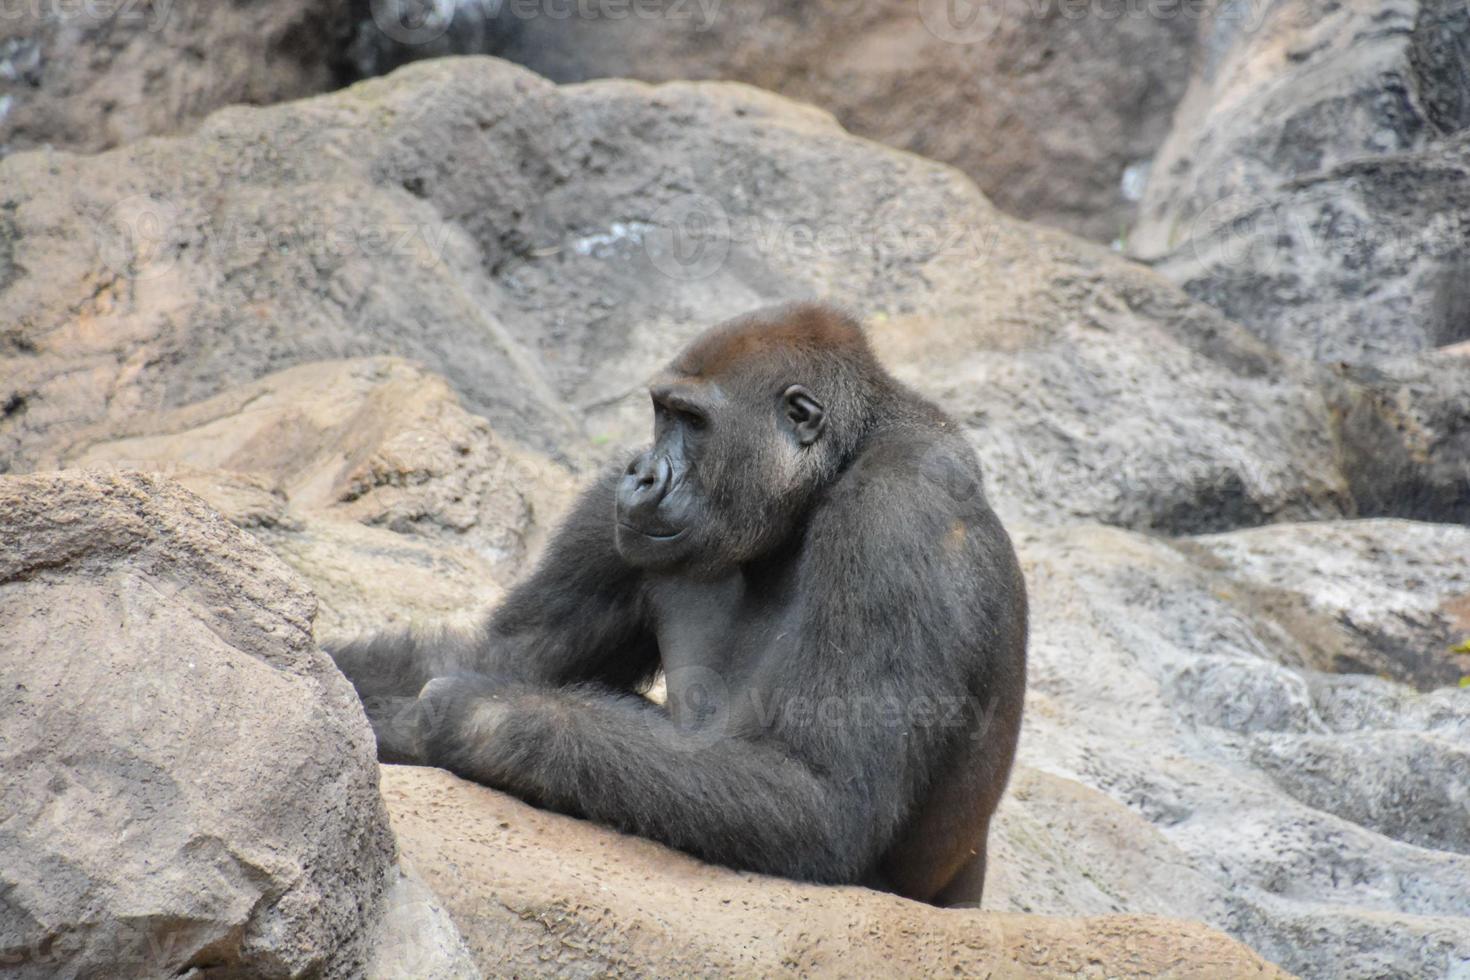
(416, 939)
(366, 475)
(187, 783)
(90, 75)
(1266, 700)
(1404, 429)
(375, 440)
(538, 247)
(537, 893)
(1052, 111)
(1314, 184)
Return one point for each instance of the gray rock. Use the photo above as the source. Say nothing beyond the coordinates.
(188, 783)
(417, 938)
(1389, 598)
(1046, 109)
(1319, 817)
(1404, 429)
(540, 248)
(1410, 786)
(1313, 186)
(88, 76)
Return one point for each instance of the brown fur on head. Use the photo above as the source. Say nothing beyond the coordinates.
(793, 331)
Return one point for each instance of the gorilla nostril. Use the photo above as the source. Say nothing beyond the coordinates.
(645, 483)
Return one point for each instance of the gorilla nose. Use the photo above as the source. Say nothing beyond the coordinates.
(645, 483)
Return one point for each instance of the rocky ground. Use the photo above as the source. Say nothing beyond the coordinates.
(368, 344)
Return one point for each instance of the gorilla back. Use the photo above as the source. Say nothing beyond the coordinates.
(806, 552)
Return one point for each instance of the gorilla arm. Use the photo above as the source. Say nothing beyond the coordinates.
(819, 786)
(578, 618)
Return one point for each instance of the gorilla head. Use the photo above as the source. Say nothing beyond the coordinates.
(749, 422)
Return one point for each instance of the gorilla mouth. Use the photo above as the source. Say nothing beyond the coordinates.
(670, 536)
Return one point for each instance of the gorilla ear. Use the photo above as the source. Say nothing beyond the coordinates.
(808, 417)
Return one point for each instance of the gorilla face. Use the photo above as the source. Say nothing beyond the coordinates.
(729, 471)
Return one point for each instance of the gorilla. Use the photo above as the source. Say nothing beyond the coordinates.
(807, 554)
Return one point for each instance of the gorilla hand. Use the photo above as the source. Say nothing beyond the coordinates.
(418, 731)
(453, 712)
(395, 726)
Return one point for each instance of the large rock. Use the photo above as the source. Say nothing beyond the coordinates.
(1314, 186)
(188, 785)
(1054, 111)
(1281, 705)
(540, 894)
(90, 75)
(375, 440)
(306, 456)
(541, 249)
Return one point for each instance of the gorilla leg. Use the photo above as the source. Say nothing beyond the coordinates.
(967, 887)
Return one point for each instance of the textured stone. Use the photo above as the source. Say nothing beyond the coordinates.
(536, 893)
(188, 784)
(1226, 690)
(547, 278)
(1314, 186)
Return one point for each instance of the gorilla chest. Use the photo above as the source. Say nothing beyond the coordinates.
(717, 638)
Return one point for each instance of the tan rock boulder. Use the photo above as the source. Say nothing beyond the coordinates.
(187, 782)
(535, 893)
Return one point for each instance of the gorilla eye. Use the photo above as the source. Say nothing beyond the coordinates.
(689, 417)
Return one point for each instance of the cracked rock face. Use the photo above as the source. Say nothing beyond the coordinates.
(1313, 187)
(1273, 702)
(367, 475)
(188, 783)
